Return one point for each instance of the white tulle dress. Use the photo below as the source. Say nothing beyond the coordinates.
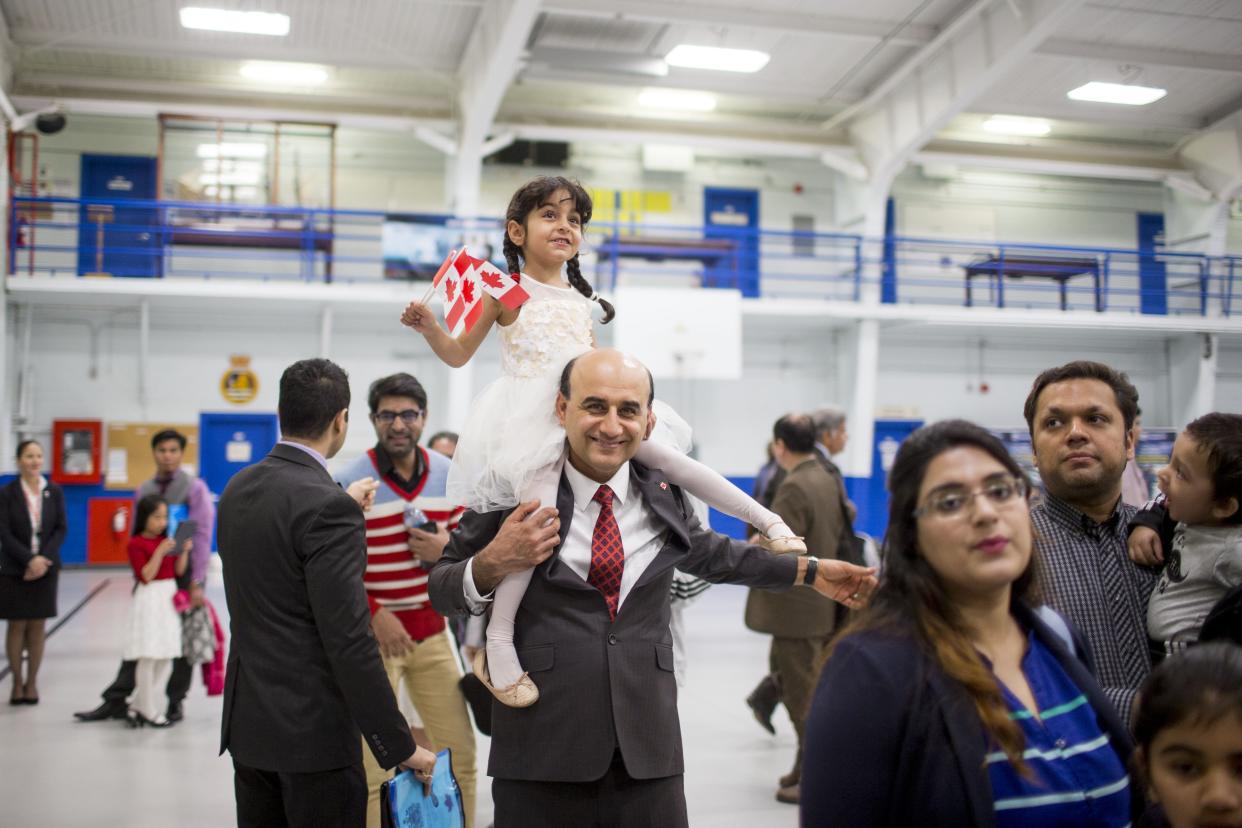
(511, 432)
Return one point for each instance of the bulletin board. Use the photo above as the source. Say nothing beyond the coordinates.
(128, 461)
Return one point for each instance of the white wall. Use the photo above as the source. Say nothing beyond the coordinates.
(930, 373)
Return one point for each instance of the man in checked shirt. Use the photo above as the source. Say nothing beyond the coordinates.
(1080, 416)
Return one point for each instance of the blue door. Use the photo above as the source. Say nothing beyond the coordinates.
(1153, 285)
(114, 239)
(732, 215)
(229, 442)
(870, 495)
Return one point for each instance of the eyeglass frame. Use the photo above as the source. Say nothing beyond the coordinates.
(416, 414)
(1021, 489)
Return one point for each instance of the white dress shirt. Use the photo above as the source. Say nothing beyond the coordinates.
(642, 534)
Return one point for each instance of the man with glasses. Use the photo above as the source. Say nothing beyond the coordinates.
(407, 529)
(1080, 416)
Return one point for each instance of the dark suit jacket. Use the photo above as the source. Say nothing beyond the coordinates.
(810, 502)
(304, 671)
(892, 741)
(603, 685)
(15, 534)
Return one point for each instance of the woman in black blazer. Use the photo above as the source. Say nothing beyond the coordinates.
(950, 701)
(29, 563)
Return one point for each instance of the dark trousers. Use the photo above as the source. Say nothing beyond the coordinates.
(327, 799)
(797, 662)
(123, 687)
(615, 801)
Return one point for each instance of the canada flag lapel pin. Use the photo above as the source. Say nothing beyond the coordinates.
(663, 485)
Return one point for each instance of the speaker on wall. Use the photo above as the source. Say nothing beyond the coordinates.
(532, 154)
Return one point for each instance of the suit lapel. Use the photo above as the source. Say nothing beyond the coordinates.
(558, 571)
(659, 498)
(968, 739)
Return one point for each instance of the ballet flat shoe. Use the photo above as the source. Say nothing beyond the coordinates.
(522, 694)
(792, 544)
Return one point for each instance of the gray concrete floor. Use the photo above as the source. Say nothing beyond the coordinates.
(55, 771)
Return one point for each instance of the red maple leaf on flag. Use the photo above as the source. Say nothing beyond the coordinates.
(492, 279)
(467, 291)
(450, 287)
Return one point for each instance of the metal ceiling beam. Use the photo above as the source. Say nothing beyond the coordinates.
(226, 50)
(57, 86)
(1142, 55)
(721, 143)
(966, 59)
(489, 63)
(716, 16)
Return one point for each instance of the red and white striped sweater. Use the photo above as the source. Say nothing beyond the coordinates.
(394, 578)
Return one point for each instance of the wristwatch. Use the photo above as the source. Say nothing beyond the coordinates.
(812, 566)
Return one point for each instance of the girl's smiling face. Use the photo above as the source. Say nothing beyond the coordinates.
(550, 235)
(1195, 772)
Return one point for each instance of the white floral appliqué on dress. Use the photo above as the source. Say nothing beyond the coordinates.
(511, 431)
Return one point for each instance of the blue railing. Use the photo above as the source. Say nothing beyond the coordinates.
(170, 239)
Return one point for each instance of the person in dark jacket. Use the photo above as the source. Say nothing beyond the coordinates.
(950, 701)
(32, 527)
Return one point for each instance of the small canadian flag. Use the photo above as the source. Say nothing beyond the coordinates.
(461, 282)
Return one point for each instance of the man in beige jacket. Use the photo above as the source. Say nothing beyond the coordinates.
(801, 626)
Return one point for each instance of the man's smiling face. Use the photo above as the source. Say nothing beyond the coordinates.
(606, 415)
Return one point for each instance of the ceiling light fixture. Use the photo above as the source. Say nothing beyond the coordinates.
(1116, 93)
(284, 74)
(683, 99)
(1017, 125)
(226, 20)
(717, 58)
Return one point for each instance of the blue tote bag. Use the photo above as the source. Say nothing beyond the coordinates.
(407, 804)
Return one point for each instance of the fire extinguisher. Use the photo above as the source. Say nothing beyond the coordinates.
(120, 522)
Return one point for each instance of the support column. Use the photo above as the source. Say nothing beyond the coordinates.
(867, 203)
(460, 394)
(6, 407)
(466, 175)
(1192, 363)
(325, 332)
(144, 352)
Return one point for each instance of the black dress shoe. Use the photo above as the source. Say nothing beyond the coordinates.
(107, 710)
(762, 702)
(175, 713)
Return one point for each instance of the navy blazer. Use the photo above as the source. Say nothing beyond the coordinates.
(15, 534)
(892, 741)
(304, 672)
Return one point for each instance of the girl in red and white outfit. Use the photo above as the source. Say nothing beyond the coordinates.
(153, 630)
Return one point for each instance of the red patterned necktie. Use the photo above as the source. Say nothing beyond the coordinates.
(607, 553)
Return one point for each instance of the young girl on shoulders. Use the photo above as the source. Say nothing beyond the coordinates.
(153, 630)
(511, 448)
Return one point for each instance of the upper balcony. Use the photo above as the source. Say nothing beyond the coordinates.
(195, 250)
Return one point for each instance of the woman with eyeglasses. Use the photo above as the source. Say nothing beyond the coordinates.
(951, 701)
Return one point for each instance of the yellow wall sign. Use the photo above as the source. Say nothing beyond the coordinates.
(239, 385)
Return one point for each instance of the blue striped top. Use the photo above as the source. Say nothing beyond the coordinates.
(1077, 778)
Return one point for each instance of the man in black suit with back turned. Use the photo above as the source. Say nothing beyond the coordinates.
(602, 745)
(304, 671)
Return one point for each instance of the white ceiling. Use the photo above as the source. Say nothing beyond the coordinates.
(585, 61)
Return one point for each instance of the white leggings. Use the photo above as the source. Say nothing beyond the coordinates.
(150, 676)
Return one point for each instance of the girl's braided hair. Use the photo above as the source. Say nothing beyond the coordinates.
(528, 198)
